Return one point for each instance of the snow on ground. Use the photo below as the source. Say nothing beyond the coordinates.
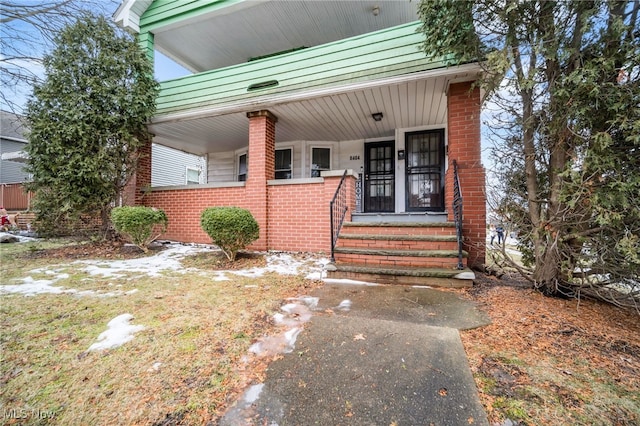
(285, 264)
(153, 266)
(118, 332)
(294, 314)
(21, 238)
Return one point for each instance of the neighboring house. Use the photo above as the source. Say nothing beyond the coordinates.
(12, 163)
(12, 143)
(286, 96)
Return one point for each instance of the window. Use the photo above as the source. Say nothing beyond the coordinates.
(283, 163)
(193, 176)
(242, 167)
(320, 160)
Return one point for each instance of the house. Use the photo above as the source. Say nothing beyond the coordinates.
(170, 167)
(12, 163)
(329, 123)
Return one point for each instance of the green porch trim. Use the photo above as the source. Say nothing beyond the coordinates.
(382, 54)
(164, 13)
(146, 42)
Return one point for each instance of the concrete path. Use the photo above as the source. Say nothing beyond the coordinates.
(391, 355)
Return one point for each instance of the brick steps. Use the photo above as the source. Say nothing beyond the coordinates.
(405, 242)
(399, 257)
(400, 253)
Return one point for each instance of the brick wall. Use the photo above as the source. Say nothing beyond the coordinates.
(464, 146)
(184, 207)
(298, 214)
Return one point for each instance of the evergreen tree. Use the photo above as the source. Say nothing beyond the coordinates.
(565, 76)
(87, 120)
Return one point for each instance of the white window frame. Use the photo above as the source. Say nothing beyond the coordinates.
(291, 168)
(246, 174)
(186, 175)
(311, 160)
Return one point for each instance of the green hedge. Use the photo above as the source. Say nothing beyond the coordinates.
(230, 228)
(141, 225)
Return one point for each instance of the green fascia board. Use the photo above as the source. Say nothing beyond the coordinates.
(386, 53)
(162, 13)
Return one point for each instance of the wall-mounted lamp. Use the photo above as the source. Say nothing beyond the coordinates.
(377, 116)
(376, 11)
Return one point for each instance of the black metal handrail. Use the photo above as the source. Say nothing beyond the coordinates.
(338, 210)
(457, 211)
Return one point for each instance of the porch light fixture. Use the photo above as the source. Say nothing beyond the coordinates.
(377, 116)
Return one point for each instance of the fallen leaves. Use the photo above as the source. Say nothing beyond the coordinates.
(542, 356)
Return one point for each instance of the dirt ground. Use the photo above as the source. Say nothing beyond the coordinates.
(541, 361)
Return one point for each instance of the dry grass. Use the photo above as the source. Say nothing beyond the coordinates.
(197, 329)
(542, 360)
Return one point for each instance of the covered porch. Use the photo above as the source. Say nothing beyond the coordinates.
(284, 163)
(279, 132)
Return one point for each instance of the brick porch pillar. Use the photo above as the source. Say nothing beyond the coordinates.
(133, 192)
(463, 116)
(261, 168)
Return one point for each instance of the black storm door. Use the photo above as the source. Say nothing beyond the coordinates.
(379, 177)
(425, 170)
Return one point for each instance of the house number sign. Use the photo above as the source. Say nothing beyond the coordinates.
(354, 157)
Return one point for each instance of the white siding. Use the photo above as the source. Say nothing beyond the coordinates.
(12, 171)
(222, 167)
(169, 166)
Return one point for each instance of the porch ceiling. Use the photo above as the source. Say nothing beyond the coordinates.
(336, 117)
(203, 42)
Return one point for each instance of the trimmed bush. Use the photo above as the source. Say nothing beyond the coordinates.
(141, 225)
(230, 228)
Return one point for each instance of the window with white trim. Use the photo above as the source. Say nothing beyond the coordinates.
(243, 167)
(192, 176)
(284, 163)
(320, 160)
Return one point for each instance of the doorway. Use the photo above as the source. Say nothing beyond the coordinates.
(425, 159)
(379, 177)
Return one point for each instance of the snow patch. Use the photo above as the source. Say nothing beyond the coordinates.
(118, 332)
(153, 266)
(345, 305)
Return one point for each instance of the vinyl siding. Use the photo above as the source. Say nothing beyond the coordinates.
(11, 171)
(169, 166)
(386, 53)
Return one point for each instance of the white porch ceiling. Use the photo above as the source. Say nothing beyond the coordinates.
(339, 117)
(253, 28)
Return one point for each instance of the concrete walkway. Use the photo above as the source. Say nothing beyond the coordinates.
(391, 355)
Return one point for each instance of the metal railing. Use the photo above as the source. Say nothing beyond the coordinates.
(338, 209)
(457, 211)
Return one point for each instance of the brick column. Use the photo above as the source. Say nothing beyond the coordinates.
(133, 192)
(261, 168)
(463, 116)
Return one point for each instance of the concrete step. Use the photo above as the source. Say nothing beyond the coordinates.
(400, 217)
(437, 277)
(388, 228)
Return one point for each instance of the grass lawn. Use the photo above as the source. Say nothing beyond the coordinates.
(189, 361)
(542, 360)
